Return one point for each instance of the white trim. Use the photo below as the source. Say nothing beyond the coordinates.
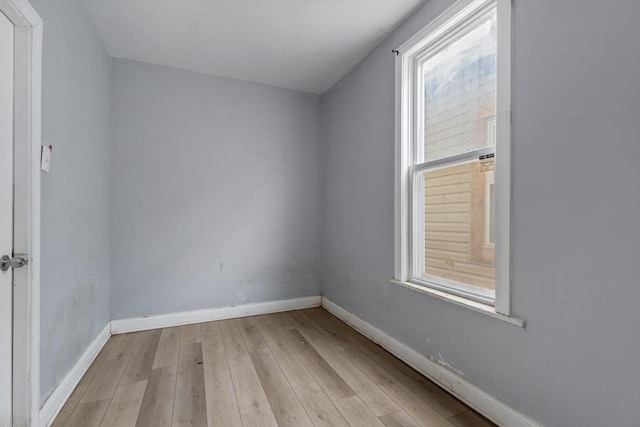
(401, 202)
(481, 401)
(59, 397)
(502, 176)
(434, 30)
(122, 326)
(28, 80)
(21, 13)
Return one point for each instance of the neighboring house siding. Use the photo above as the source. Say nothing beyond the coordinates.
(460, 123)
(447, 228)
(456, 245)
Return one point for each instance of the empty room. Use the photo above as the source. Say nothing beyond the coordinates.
(319, 213)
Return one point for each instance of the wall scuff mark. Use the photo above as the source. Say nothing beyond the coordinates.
(450, 366)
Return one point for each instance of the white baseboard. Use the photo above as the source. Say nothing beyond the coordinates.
(56, 401)
(481, 401)
(196, 316)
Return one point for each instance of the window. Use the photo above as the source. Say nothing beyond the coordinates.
(453, 135)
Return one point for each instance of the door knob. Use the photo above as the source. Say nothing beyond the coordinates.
(7, 262)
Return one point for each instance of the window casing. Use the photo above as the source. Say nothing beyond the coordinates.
(453, 154)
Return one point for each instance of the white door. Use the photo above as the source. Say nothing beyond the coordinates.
(6, 214)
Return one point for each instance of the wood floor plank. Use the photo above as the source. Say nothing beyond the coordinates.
(252, 401)
(335, 387)
(367, 390)
(398, 419)
(321, 410)
(469, 419)
(222, 407)
(88, 414)
(125, 405)
(191, 334)
(71, 403)
(124, 348)
(283, 400)
(253, 340)
(289, 362)
(233, 344)
(329, 380)
(357, 413)
(99, 360)
(141, 361)
(168, 348)
(414, 405)
(157, 405)
(106, 381)
(190, 404)
(444, 403)
(280, 321)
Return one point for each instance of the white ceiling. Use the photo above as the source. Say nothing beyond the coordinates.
(306, 45)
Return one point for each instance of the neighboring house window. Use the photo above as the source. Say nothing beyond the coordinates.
(453, 156)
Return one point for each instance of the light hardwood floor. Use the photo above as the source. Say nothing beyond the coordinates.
(300, 368)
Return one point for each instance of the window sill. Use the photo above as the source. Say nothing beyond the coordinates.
(475, 306)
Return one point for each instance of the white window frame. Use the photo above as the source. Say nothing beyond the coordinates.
(406, 110)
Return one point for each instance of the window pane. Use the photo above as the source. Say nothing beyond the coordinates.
(460, 93)
(457, 222)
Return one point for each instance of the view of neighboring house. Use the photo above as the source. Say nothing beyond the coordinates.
(459, 116)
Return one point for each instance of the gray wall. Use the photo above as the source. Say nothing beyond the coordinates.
(575, 236)
(76, 120)
(216, 191)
